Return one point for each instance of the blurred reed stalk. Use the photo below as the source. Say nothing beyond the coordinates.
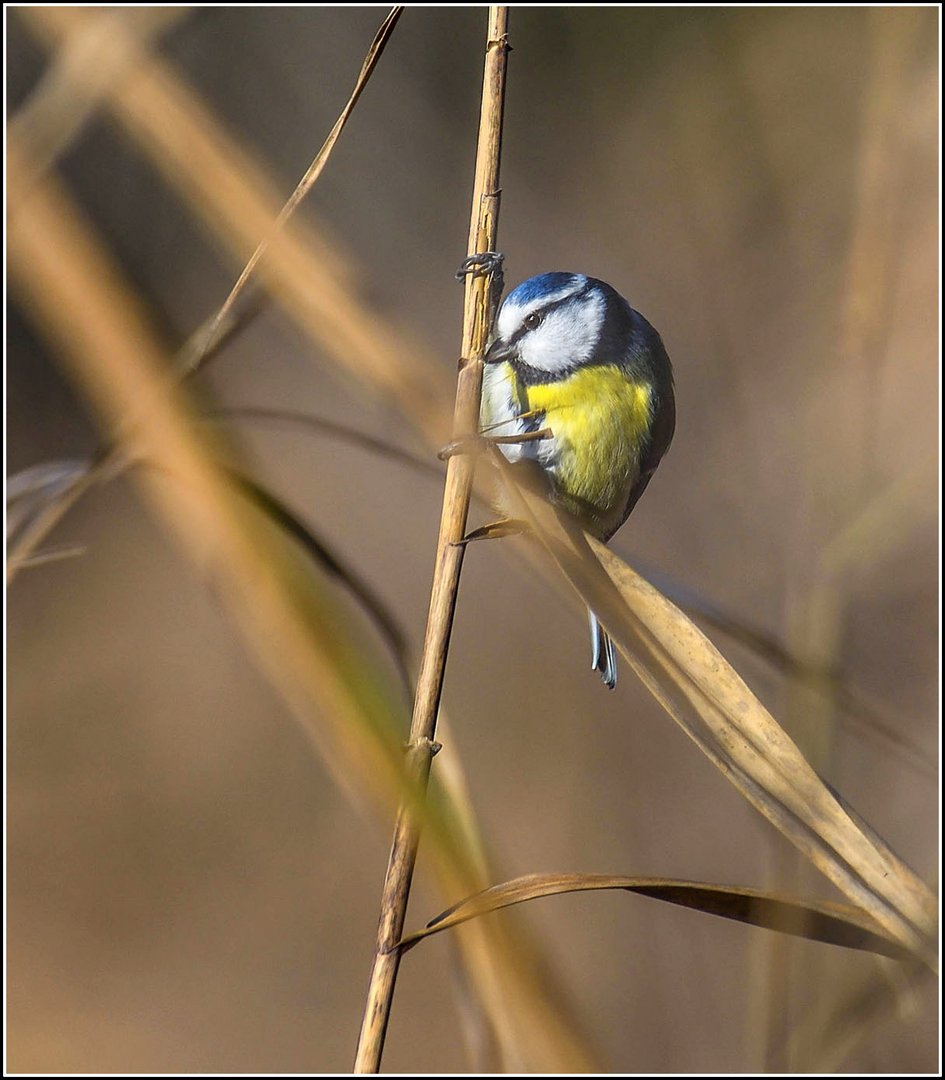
(477, 319)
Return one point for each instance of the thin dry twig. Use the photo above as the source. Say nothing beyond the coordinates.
(477, 320)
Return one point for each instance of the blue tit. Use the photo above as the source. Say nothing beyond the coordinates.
(571, 355)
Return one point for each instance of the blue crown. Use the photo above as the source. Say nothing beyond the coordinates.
(536, 287)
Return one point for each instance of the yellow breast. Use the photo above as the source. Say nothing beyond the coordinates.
(600, 419)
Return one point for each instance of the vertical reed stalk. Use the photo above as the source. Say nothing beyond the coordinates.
(477, 318)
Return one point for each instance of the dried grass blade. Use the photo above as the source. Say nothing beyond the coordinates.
(834, 924)
(824, 679)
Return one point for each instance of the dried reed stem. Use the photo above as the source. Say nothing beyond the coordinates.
(477, 319)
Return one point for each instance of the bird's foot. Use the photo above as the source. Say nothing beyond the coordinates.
(481, 444)
(466, 444)
(481, 264)
(494, 530)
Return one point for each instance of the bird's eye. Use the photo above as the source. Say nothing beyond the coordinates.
(533, 321)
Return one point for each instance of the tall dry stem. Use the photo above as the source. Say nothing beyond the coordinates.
(477, 319)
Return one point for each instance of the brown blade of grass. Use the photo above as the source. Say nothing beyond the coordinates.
(825, 680)
(834, 924)
(477, 320)
(715, 708)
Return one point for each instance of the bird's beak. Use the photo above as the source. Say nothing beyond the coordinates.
(499, 351)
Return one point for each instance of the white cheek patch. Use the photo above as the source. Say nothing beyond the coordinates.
(567, 336)
(510, 316)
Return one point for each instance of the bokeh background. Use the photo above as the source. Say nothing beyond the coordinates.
(189, 888)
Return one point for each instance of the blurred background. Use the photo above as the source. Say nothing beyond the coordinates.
(189, 888)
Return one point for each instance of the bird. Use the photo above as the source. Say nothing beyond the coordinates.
(569, 354)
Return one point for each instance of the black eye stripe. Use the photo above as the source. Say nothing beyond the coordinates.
(542, 312)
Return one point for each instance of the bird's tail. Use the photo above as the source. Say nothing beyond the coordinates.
(603, 653)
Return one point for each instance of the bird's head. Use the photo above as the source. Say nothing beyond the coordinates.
(552, 324)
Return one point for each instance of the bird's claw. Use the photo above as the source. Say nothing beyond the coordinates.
(481, 444)
(495, 530)
(481, 264)
(465, 444)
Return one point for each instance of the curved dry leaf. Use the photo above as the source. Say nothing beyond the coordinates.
(835, 924)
